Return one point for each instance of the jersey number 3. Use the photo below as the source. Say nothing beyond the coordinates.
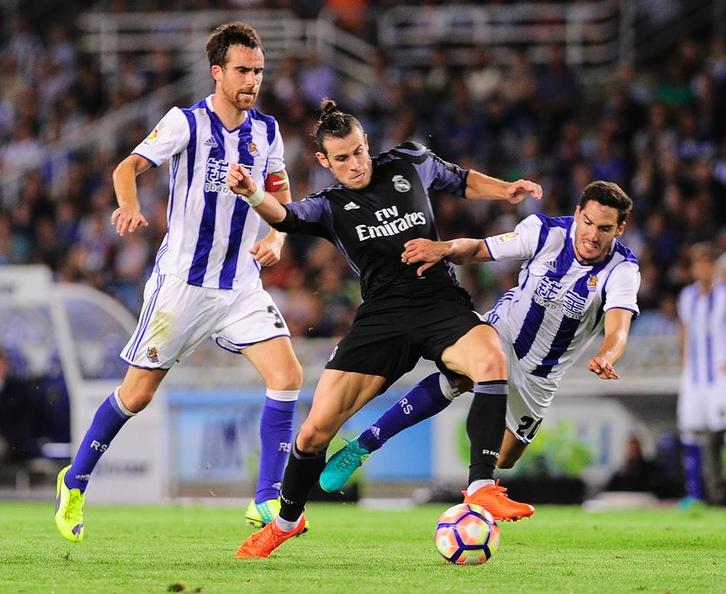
(278, 318)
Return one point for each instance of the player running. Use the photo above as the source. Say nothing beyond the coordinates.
(206, 278)
(375, 208)
(576, 279)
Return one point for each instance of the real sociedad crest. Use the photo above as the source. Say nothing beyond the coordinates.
(252, 149)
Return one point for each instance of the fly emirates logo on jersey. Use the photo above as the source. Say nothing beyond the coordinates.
(391, 223)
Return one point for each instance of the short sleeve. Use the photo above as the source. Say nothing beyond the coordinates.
(621, 288)
(520, 244)
(169, 137)
(275, 158)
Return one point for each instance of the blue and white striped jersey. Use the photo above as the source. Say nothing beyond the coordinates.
(209, 229)
(557, 308)
(704, 318)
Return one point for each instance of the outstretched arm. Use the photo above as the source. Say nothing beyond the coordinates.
(459, 251)
(483, 187)
(127, 217)
(241, 183)
(617, 327)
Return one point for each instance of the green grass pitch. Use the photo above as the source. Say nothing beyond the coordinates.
(349, 550)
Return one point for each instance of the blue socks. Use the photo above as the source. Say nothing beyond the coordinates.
(275, 442)
(424, 400)
(107, 422)
(692, 468)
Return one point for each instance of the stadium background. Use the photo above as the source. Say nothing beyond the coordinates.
(562, 93)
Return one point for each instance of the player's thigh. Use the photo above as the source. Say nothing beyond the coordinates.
(511, 450)
(528, 400)
(139, 386)
(174, 319)
(478, 355)
(276, 363)
(338, 396)
(250, 318)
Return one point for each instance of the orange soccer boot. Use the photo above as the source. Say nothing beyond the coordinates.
(263, 542)
(493, 498)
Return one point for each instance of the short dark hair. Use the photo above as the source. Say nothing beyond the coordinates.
(332, 123)
(224, 36)
(608, 194)
(703, 250)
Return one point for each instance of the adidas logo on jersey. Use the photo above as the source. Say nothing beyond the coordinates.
(351, 206)
(552, 265)
(211, 142)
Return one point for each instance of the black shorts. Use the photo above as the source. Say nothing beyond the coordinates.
(388, 337)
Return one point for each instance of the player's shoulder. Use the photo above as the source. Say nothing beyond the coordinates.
(550, 222)
(408, 151)
(625, 254)
(262, 117)
(201, 104)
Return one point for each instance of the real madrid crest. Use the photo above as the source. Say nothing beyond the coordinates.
(401, 184)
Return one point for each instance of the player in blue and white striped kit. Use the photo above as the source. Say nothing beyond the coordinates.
(206, 278)
(702, 398)
(576, 280)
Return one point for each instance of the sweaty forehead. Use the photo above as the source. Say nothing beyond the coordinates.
(600, 214)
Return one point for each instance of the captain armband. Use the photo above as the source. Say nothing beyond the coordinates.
(277, 182)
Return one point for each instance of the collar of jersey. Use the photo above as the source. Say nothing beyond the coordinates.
(246, 124)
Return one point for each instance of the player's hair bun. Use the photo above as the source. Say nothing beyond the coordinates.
(329, 108)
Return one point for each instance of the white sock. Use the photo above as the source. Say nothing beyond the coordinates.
(286, 525)
(476, 485)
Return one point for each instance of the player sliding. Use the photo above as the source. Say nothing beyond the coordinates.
(206, 281)
(375, 208)
(576, 279)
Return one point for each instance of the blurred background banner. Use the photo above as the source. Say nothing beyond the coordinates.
(559, 92)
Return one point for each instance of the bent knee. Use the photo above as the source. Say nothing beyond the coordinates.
(492, 365)
(312, 438)
(137, 400)
(289, 378)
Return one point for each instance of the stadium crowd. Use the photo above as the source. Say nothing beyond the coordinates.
(660, 134)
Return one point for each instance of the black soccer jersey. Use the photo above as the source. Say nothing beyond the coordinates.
(370, 226)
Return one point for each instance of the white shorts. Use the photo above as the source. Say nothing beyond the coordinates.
(701, 408)
(177, 317)
(528, 398)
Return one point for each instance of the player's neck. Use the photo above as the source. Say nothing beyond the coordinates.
(705, 286)
(228, 114)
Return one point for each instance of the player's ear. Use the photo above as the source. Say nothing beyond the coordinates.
(322, 159)
(365, 140)
(216, 72)
(621, 228)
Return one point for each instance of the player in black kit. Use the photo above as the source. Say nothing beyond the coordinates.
(376, 206)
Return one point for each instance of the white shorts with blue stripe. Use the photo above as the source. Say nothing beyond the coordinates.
(177, 317)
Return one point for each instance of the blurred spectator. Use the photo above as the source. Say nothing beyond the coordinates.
(660, 134)
(20, 424)
(637, 473)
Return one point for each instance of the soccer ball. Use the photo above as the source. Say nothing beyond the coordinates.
(466, 534)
